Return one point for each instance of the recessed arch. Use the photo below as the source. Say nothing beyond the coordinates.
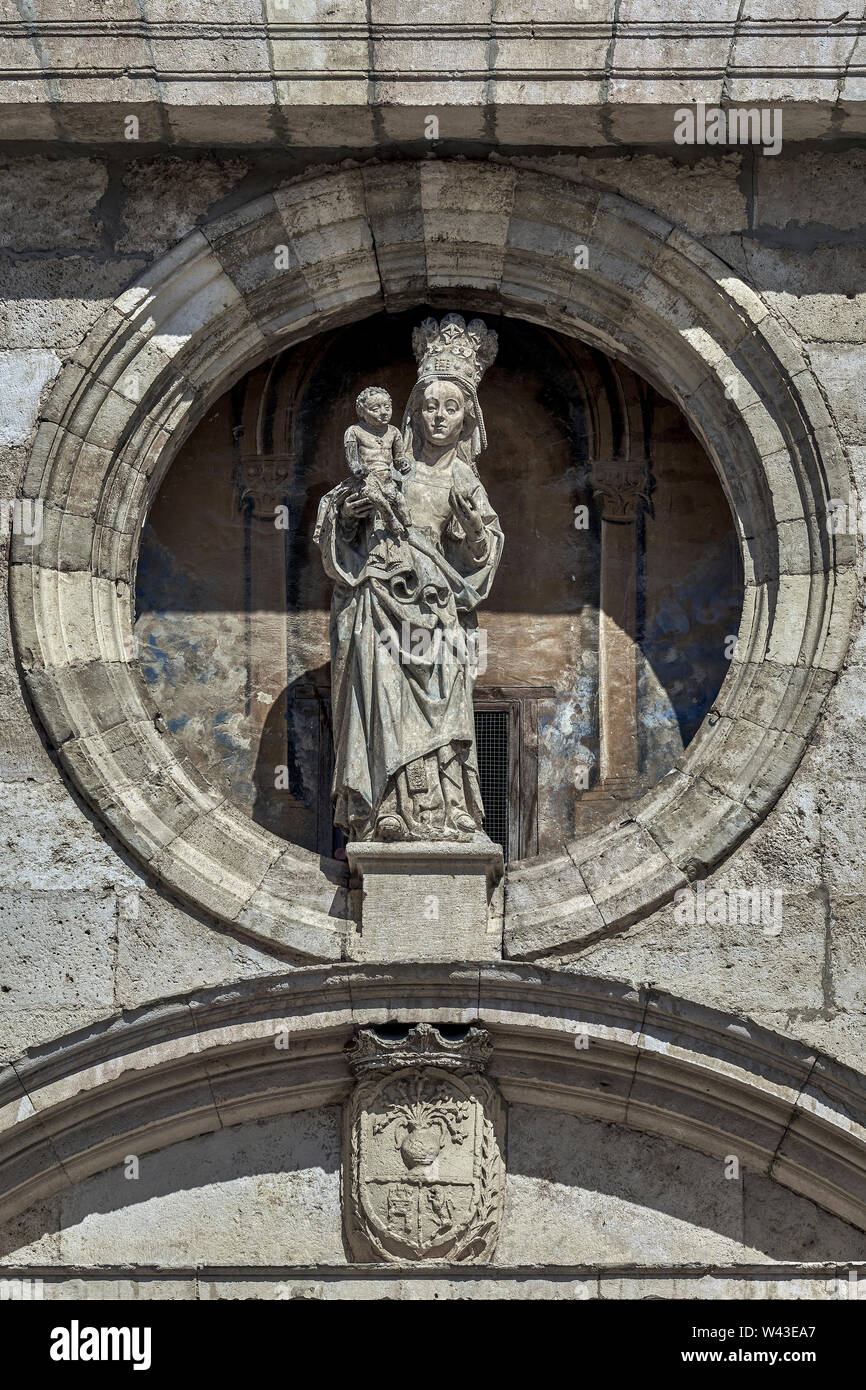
(493, 236)
(652, 1062)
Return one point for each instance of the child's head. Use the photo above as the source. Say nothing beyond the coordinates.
(374, 405)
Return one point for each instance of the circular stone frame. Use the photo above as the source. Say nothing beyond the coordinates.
(490, 237)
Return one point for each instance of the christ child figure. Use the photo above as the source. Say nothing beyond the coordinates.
(374, 453)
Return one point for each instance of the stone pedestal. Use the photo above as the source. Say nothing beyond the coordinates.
(428, 901)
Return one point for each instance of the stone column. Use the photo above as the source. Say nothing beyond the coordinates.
(265, 479)
(621, 490)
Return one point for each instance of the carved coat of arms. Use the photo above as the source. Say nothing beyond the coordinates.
(423, 1170)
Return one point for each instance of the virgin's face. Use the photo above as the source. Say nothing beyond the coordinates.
(443, 410)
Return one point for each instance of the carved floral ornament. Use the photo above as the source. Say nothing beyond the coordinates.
(263, 479)
(621, 488)
(205, 314)
(423, 1168)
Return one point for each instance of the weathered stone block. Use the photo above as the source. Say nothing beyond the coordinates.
(24, 373)
(426, 901)
(56, 202)
(627, 875)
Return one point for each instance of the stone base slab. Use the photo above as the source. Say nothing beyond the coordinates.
(779, 1280)
(427, 900)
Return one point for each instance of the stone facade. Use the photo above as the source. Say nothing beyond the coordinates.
(672, 977)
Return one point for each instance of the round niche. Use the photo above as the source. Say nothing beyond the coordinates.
(597, 375)
(232, 602)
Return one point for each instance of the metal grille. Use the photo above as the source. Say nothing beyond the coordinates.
(491, 739)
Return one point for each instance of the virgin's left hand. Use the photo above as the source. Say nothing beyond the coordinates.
(467, 514)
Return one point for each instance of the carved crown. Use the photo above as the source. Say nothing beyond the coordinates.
(422, 1046)
(450, 348)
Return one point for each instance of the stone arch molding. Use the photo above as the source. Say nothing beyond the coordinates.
(656, 1064)
(486, 236)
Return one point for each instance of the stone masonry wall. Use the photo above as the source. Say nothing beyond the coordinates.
(579, 1193)
(87, 933)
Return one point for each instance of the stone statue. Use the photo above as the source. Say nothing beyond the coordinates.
(403, 625)
(374, 453)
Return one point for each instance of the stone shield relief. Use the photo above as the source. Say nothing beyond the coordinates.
(423, 1173)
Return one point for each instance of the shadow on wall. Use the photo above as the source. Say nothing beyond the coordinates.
(293, 769)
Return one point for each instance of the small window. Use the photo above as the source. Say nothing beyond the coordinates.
(506, 734)
(491, 741)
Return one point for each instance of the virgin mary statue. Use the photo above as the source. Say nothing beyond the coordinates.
(403, 625)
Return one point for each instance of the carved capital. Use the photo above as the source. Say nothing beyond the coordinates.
(265, 478)
(621, 488)
(423, 1171)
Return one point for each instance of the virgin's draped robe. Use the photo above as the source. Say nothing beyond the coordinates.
(402, 681)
